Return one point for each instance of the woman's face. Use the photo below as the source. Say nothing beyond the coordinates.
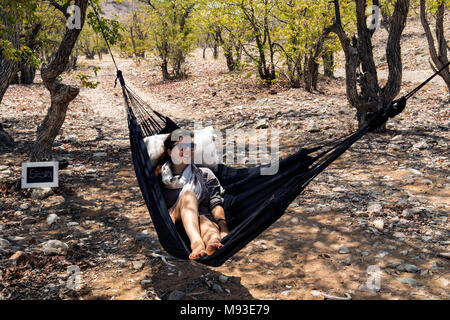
(183, 151)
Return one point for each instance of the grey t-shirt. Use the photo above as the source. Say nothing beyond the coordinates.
(207, 205)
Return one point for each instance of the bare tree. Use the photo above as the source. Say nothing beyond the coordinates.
(10, 67)
(362, 85)
(438, 55)
(61, 94)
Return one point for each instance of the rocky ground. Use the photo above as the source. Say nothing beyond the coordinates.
(374, 225)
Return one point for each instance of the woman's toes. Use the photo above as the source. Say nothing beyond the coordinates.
(213, 247)
(197, 255)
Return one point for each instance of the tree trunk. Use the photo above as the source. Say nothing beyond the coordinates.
(27, 74)
(61, 94)
(5, 138)
(328, 64)
(363, 90)
(439, 55)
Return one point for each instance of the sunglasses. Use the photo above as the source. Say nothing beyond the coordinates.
(183, 146)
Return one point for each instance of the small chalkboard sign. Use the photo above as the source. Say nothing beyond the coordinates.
(40, 174)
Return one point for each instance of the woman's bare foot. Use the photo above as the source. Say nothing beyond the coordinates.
(211, 248)
(198, 250)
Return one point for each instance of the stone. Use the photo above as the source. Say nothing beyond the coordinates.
(99, 155)
(378, 224)
(365, 288)
(176, 295)
(374, 208)
(262, 124)
(41, 193)
(286, 293)
(415, 171)
(399, 235)
(421, 145)
(445, 255)
(24, 206)
(51, 219)
(142, 237)
(54, 247)
(409, 281)
(138, 265)
(19, 257)
(313, 127)
(223, 279)
(4, 244)
(217, 288)
(344, 250)
(145, 284)
(27, 221)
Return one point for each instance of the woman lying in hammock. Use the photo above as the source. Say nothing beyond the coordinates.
(192, 195)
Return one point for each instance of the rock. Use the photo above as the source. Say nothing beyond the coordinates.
(138, 265)
(176, 295)
(4, 244)
(427, 239)
(19, 257)
(421, 145)
(365, 288)
(99, 155)
(374, 208)
(415, 172)
(262, 124)
(54, 247)
(51, 219)
(445, 255)
(313, 127)
(407, 268)
(144, 236)
(18, 240)
(145, 284)
(347, 261)
(344, 250)
(378, 224)
(217, 288)
(286, 293)
(73, 224)
(381, 254)
(24, 206)
(41, 193)
(409, 281)
(223, 279)
(411, 268)
(399, 235)
(27, 221)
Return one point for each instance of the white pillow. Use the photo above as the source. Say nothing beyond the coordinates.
(155, 147)
(205, 153)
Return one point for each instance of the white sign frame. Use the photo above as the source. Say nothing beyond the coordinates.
(54, 184)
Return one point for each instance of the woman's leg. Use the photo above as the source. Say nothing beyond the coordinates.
(186, 211)
(210, 234)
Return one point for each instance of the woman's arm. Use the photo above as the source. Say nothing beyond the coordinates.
(219, 215)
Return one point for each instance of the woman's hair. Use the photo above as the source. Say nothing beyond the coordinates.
(169, 144)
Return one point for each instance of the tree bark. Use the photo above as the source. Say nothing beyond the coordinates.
(61, 94)
(439, 55)
(363, 90)
(328, 64)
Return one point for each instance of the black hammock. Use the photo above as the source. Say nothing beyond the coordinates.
(252, 202)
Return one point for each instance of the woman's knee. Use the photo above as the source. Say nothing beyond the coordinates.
(188, 197)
